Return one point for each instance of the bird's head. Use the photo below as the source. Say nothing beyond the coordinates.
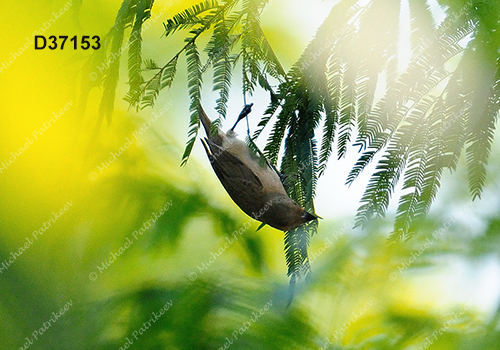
(284, 213)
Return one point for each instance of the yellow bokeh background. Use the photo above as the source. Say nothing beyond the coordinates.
(58, 165)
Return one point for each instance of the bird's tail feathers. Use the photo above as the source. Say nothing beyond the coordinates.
(207, 123)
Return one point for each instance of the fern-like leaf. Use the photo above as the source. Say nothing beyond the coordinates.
(194, 87)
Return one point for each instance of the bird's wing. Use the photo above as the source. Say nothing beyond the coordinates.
(229, 169)
(267, 161)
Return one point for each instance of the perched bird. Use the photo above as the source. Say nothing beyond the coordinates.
(255, 188)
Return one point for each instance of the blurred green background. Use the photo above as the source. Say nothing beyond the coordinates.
(439, 290)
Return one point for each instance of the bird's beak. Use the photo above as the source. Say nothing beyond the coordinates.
(309, 217)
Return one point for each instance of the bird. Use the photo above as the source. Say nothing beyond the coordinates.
(256, 188)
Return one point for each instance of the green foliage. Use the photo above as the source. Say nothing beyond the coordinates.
(194, 87)
(425, 125)
(438, 114)
(446, 100)
(143, 9)
(353, 274)
(189, 18)
(113, 42)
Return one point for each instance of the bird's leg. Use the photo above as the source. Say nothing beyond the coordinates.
(248, 126)
(244, 112)
(237, 120)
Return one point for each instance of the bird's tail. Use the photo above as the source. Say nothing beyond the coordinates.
(207, 123)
